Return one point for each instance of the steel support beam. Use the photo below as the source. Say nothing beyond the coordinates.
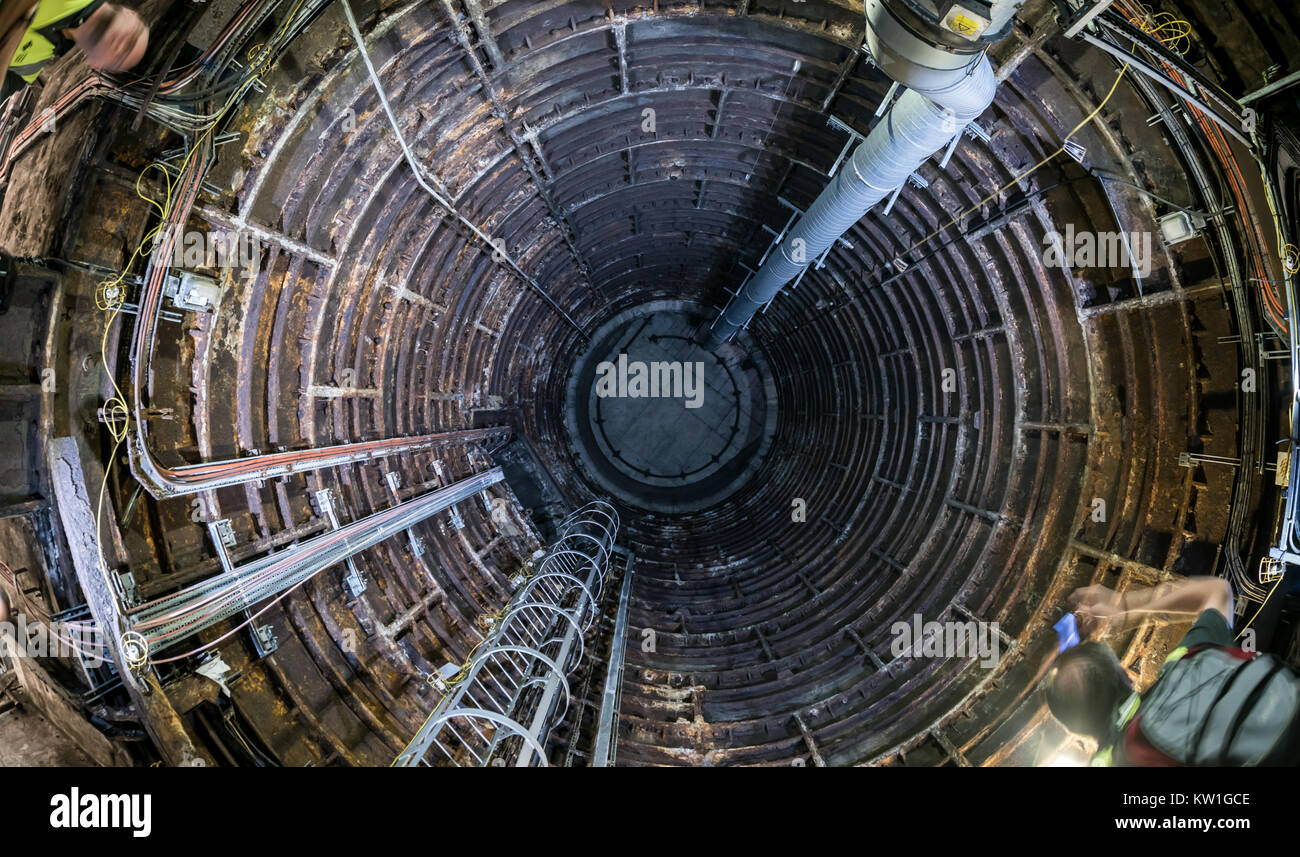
(606, 723)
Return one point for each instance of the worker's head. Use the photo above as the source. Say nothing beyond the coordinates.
(113, 38)
(1085, 687)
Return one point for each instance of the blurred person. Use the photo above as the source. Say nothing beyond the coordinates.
(112, 37)
(1212, 703)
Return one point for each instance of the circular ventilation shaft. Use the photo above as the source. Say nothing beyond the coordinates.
(938, 424)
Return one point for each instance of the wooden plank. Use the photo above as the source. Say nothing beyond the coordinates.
(58, 706)
(157, 715)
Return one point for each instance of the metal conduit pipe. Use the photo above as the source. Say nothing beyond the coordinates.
(164, 622)
(949, 88)
(164, 482)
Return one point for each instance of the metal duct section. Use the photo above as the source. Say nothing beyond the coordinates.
(947, 90)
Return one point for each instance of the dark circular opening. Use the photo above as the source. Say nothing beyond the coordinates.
(663, 422)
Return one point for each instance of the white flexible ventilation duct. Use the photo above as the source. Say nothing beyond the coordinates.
(939, 103)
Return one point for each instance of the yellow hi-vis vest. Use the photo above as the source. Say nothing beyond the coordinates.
(44, 38)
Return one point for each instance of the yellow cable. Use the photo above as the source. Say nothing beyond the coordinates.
(1177, 32)
(1261, 608)
(1030, 170)
(1176, 36)
(110, 293)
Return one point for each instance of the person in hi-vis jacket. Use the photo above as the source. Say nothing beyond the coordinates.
(113, 37)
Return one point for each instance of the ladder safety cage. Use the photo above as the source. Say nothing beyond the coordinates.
(499, 707)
